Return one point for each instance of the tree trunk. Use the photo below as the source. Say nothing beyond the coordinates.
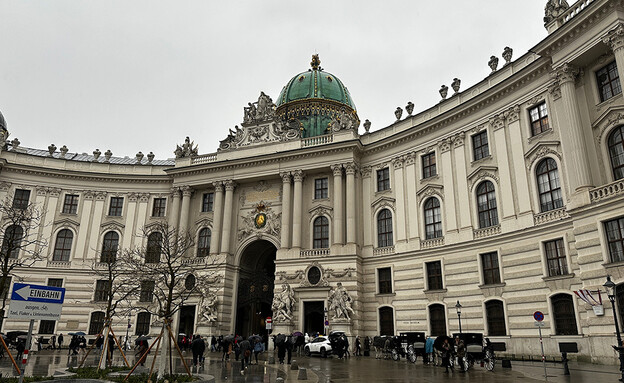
(163, 356)
(104, 354)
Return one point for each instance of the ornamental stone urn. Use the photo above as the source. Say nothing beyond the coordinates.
(507, 54)
(493, 63)
(398, 113)
(456, 84)
(443, 92)
(96, 154)
(51, 149)
(139, 157)
(64, 151)
(367, 125)
(150, 157)
(107, 155)
(409, 107)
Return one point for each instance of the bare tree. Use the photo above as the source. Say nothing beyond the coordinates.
(168, 276)
(20, 221)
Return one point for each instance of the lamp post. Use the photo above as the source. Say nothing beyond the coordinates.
(610, 286)
(458, 307)
(325, 319)
(127, 330)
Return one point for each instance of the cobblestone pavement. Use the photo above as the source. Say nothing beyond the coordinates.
(355, 369)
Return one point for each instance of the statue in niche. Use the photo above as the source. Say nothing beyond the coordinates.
(283, 304)
(209, 308)
(340, 302)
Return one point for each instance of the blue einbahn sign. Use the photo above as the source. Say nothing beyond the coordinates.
(37, 293)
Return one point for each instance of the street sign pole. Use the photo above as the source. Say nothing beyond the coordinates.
(26, 350)
(542, 344)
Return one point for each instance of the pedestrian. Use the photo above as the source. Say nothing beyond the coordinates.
(60, 341)
(345, 341)
(461, 353)
(99, 342)
(290, 344)
(236, 347)
(358, 346)
(446, 355)
(213, 344)
(142, 351)
(245, 354)
(258, 348)
(111, 347)
(280, 343)
(53, 341)
(39, 343)
(367, 344)
(219, 343)
(198, 347)
(225, 345)
(20, 347)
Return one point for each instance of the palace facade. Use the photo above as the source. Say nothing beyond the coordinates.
(505, 197)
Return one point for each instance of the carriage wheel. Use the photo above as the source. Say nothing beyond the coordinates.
(323, 353)
(490, 360)
(412, 357)
(468, 362)
(395, 355)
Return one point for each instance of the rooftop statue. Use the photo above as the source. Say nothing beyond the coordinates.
(554, 9)
(262, 110)
(188, 149)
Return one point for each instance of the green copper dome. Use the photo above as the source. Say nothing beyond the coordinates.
(315, 98)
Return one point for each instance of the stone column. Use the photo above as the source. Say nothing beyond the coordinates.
(184, 210)
(285, 239)
(449, 185)
(462, 191)
(366, 205)
(576, 154)
(413, 215)
(215, 239)
(338, 220)
(505, 193)
(350, 169)
(227, 216)
(174, 214)
(615, 40)
(297, 208)
(399, 193)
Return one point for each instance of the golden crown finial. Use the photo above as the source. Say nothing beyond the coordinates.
(316, 61)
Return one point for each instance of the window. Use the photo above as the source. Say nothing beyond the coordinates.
(55, 282)
(321, 233)
(563, 315)
(147, 291)
(548, 185)
(116, 206)
(434, 275)
(386, 321)
(429, 165)
(495, 318)
(154, 245)
(207, 202)
(384, 276)
(608, 81)
(109, 247)
(556, 257)
(486, 205)
(70, 206)
(320, 188)
(203, 242)
(539, 119)
(383, 179)
(160, 206)
(384, 228)
(20, 200)
(97, 323)
(616, 152)
(62, 247)
(433, 219)
(143, 323)
(12, 241)
(437, 320)
(491, 272)
(101, 291)
(480, 147)
(615, 238)
(47, 326)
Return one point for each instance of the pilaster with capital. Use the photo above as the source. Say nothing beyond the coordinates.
(615, 40)
(399, 193)
(185, 208)
(297, 208)
(286, 201)
(228, 212)
(338, 221)
(446, 162)
(215, 241)
(350, 170)
(506, 205)
(365, 205)
(174, 214)
(461, 188)
(517, 159)
(413, 216)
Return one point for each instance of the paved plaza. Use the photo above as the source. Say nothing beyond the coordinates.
(354, 369)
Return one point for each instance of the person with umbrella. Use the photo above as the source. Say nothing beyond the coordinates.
(258, 346)
(227, 347)
(280, 343)
(198, 347)
(245, 354)
(142, 349)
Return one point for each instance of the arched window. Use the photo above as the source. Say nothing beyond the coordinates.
(486, 205)
(143, 323)
(616, 152)
(433, 219)
(62, 247)
(437, 320)
(548, 185)
(154, 247)
(563, 314)
(495, 318)
(203, 242)
(386, 321)
(97, 322)
(321, 233)
(11, 243)
(384, 228)
(109, 247)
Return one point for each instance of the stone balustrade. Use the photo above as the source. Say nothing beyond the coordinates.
(318, 140)
(486, 231)
(613, 189)
(549, 216)
(59, 264)
(314, 253)
(383, 250)
(204, 158)
(429, 243)
(575, 9)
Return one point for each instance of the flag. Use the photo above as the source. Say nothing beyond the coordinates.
(587, 297)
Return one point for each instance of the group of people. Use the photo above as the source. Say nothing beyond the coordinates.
(243, 348)
(449, 351)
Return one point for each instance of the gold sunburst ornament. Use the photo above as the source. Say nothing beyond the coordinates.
(260, 220)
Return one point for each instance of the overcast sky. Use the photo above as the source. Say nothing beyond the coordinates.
(141, 75)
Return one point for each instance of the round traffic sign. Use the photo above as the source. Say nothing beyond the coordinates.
(326, 323)
(538, 316)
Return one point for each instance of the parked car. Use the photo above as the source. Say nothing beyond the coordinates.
(319, 345)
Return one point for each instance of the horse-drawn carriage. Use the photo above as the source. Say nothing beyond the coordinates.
(478, 349)
(414, 345)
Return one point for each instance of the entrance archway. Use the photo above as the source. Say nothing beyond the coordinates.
(255, 287)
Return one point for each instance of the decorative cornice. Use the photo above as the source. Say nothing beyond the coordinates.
(431, 190)
(615, 38)
(481, 173)
(321, 210)
(541, 150)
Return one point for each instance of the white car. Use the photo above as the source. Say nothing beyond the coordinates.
(319, 345)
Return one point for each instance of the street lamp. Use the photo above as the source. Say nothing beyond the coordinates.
(458, 307)
(325, 319)
(610, 286)
(125, 345)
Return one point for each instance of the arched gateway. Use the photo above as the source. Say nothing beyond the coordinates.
(255, 287)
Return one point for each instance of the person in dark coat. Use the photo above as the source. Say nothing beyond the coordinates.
(245, 354)
(280, 343)
(446, 355)
(21, 346)
(358, 346)
(461, 353)
(60, 341)
(213, 344)
(53, 340)
(111, 347)
(290, 344)
(198, 347)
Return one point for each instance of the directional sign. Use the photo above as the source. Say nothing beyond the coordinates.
(36, 302)
(538, 316)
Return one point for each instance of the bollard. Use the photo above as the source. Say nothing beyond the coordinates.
(271, 359)
(506, 363)
(303, 374)
(279, 380)
(294, 365)
(564, 360)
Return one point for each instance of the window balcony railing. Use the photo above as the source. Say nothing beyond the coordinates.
(429, 243)
(383, 250)
(486, 231)
(318, 140)
(204, 158)
(549, 216)
(59, 264)
(314, 253)
(613, 189)
(575, 9)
